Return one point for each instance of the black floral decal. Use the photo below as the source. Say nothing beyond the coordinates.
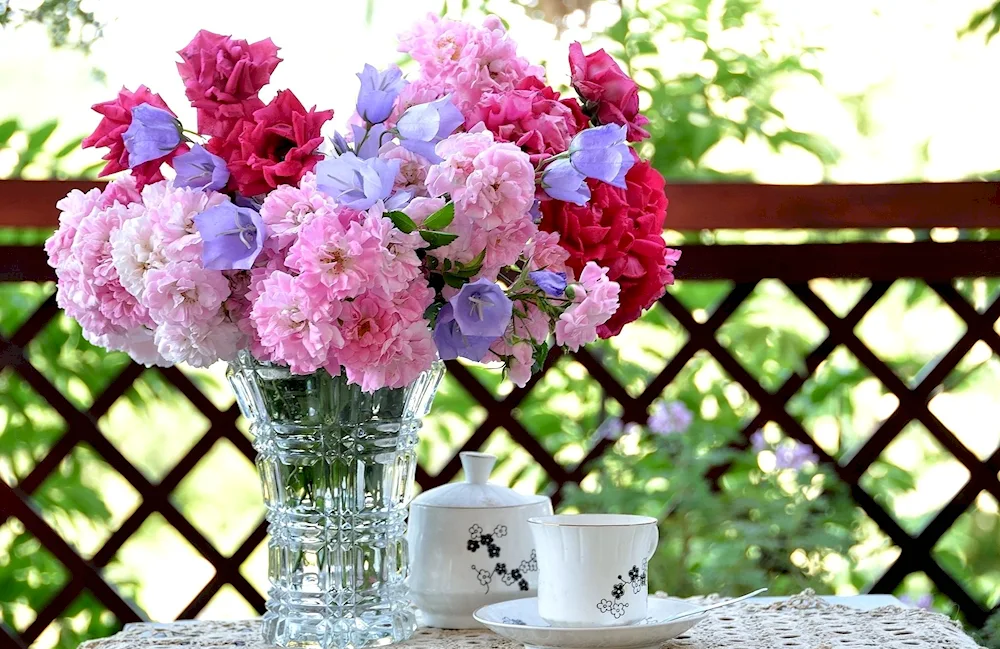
(513, 620)
(510, 576)
(636, 579)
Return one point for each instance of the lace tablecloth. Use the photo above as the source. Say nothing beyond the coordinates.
(800, 622)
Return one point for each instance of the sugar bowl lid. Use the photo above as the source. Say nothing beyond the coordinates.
(475, 491)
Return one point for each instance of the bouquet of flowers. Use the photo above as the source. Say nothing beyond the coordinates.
(470, 211)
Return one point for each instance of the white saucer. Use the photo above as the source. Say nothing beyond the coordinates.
(518, 620)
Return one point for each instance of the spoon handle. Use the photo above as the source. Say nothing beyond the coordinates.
(703, 609)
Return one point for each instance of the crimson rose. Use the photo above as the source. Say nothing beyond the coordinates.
(275, 147)
(111, 130)
(621, 229)
(611, 96)
(223, 76)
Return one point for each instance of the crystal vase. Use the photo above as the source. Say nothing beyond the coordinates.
(337, 468)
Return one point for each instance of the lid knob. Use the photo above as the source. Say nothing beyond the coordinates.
(477, 466)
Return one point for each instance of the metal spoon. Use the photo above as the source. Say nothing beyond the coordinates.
(710, 607)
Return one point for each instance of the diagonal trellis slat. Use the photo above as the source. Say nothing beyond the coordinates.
(744, 265)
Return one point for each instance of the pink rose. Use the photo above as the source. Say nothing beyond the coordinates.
(610, 94)
(532, 116)
(111, 130)
(223, 76)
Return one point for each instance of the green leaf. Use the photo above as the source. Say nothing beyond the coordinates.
(454, 281)
(7, 130)
(435, 238)
(69, 148)
(38, 137)
(401, 221)
(441, 219)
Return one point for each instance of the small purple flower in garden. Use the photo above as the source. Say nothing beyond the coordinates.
(422, 126)
(601, 153)
(482, 309)
(199, 169)
(357, 183)
(536, 211)
(452, 343)
(757, 441)
(153, 134)
(552, 283)
(232, 236)
(669, 418)
(794, 455)
(378, 92)
(925, 601)
(561, 181)
(611, 429)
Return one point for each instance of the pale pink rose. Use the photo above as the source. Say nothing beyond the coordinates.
(92, 243)
(135, 251)
(73, 208)
(459, 151)
(121, 308)
(343, 261)
(288, 208)
(295, 327)
(171, 212)
(500, 189)
(517, 357)
(139, 343)
(595, 300)
(122, 190)
(184, 293)
(544, 253)
(534, 325)
(420, 208)
(412, 174)
(466, 60)
(387, 342)
(398, 261)
(416, 92)
(505, 245)
(200, 344)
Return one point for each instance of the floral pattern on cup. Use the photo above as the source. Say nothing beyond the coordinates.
(509, 576)
(636, 579)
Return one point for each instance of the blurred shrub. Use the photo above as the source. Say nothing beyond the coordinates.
(67, 22)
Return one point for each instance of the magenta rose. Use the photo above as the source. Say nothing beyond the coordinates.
(276, 146)
(223, 76)
(610, 95)
(116, 118)
(531, 116)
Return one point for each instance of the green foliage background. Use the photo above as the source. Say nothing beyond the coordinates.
(787, 529)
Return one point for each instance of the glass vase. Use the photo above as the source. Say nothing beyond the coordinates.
(337, 468)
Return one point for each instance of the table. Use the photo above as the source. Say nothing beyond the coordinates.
(804, 621)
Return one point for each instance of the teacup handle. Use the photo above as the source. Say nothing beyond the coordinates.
(653, 540)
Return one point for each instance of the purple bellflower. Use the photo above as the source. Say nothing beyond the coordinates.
(199, 169)
(794, 455)
(367, 141)
(561, 181)
(601, 153)
(482, 309)
(339, 142)
(358, 183)
(378, 93)
(422, 126)
(452, 343)
(152, 134)
(232, 236)
(552, 283)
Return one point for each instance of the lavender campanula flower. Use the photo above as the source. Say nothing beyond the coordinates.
(340, 145)
(669, 418)
(794, 455)
(232, 236)
(422, 126)
(354, 182)
(552, 283)
(482, 309)
(153, 134)
(368, 140)
(199, 169)
(601, 153)
(378, 93)
(561, 181)
(452, 343)
(757, 441)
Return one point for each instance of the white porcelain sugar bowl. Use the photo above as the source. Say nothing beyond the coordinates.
(470, 545)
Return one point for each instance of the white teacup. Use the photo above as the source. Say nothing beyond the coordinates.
(592, 568)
